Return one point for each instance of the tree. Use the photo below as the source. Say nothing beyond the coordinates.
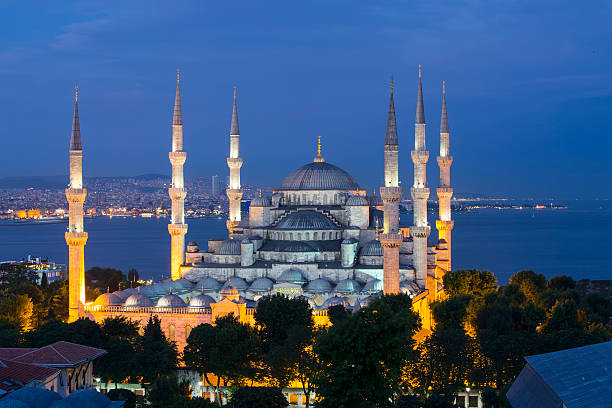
(469, 282)
(18, 273)
(82, 331)
(155, 355)
(286, 327)
(133, 275)
(451, 312)
(104, 278)
(119, 363)
(337, 314)
(18, 310)
(166, 390)
(122, 394)
(531, 284)
(44, 282)
(229, 350)
(258, 397)
(120, 327)
(9, 334)
(364, 357)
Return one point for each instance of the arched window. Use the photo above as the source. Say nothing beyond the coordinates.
(291, 236)
(299, 236)
(307, 236)
(171, 332)
(323, 235)
(316, 235)
(187, 332)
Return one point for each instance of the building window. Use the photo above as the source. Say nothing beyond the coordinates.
(323, 235)
(473, 401)
(307, 236)
(460, 400)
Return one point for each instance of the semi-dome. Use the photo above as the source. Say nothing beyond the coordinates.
(306, 220)
(335, 301)
(236, 282)
(89, 399)
(108, 299)
(208, 284)
(348, 286)
(374, 285)
(126, 293)
(170, 301)
(138, 299)
(319, 285)
(261, 202)
(319, 176)
(372, 248)
(357, 200)
(292, 276)
(229, 247)
(261, 285)
(201, 300)
(298, 246)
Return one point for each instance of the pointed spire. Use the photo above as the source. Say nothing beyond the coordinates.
(420, 112)
(391, 136)
(178, 113)
(444, 118)
(318, 158)
(75, 136)
(234, 129)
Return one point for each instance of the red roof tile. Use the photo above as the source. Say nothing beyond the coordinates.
(14, 375)
(61, 354)
(13, 353)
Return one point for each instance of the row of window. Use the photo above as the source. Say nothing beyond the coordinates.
(289, 236)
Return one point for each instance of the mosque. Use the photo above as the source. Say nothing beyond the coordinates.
(318, 236)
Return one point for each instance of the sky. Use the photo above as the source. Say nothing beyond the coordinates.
(529, 88)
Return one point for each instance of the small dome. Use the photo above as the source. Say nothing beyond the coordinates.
(357, 200)
(181, 284)
(192, 243)
(229, 247)
(410, 287)
(89, 399)
(366, 301)
(236, 282)
(34, 397)
(8, 402)
(298, 246)
(375, 285)
(372, 248)
(157, 289)
(292, 276)
(201, 301)
(170, 301)
(348, 286)
(261, 285)
(376, 201)
(126, 293)
(108, 299)
(319, 285)
(349, 241)
(319, 176)
(261, 202)
(208, 284)
(335, 301)
(306, 220)
(138, 299)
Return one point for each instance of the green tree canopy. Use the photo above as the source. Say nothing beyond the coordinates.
(104, 278)
(155, 355)
(469, 282)
(258, 397)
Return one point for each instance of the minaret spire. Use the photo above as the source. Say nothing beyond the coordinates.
(445, 223)
(391, 195)
(177, 192)
(76, 237)
(234, 162)
(419, 192)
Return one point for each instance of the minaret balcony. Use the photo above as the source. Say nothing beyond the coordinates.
(420, 156)
(391, 240)
(445, 225)
(391, 194)
(177, 229)
(76, 238)
(419, 193)
(420, 232)
(177, 158)
(234, 162)
(76, 195)
(177, 193)
(445, 161)
(234, 194)
(444, 193)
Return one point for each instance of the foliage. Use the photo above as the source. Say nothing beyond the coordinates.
(364, 357)
(82, 331)
(451, 312)
(469, 282)
(258, 397)
(133, 275)
(12, 274)
(166, 390)
(44, 281)
(104, 278)
(337, 314)
(156, 357)
(18, 310)
(122, 394)
(9, 334)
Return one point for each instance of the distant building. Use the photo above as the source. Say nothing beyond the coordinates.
(63, 367)
(576, 378)
(215, 186)
(41, 266)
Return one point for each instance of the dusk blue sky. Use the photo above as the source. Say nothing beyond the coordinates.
(529, 88)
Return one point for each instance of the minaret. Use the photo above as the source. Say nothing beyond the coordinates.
(391, 194)
(419, 191)
(177, 192)
(445, 224)
(234, 162)
(76, 237)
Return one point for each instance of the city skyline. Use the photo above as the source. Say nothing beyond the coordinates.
(314, 73)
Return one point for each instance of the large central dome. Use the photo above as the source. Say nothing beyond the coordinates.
(319, 176)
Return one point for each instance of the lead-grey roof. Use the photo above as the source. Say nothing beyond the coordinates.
(208, 284)
(138, 299)
(261, 202)
(229, 247)
(234, 128)
(170, 301)
(306, 220)
(236, 283)
(298, 246)
(319, 176)
(75, 136)
(201, 301)
(420, 110)
(319, 285)
(177, 118)
(348, 286)
(261, 285)
(391, 135)
(579, 378)
(444, 116)
(292, 276)
(357, 200)
(372, 248)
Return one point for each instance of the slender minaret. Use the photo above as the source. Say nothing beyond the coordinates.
(234, 162)
(391, 194)
(76, 237)
(177, 192)
(445, 224)
(419, 191)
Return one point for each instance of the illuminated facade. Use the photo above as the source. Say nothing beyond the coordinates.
(76, 237)
(316, 236)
